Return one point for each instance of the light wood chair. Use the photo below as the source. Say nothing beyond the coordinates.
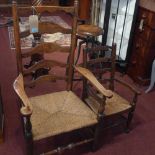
(116, 105)
(59, 113)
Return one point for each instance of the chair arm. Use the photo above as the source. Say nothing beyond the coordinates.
(26, 108)
(92, 79)
(128, 86)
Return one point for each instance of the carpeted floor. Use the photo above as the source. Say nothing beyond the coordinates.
(140, 141)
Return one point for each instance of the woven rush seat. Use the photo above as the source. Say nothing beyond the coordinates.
(113, 105)
(58, 113)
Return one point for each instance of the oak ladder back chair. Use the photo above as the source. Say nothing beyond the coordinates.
(116, 105)
(58, 113)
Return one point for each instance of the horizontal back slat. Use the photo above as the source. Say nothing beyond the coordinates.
(25, 33)
(49, 78)
(98, 49)
(99, 60)
(46, 27)
(42, 9)
(46, 48)
(51, 9)
(101, 71)
(43, 64)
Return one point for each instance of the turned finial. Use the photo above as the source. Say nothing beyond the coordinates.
(76, 2)
(14, 2)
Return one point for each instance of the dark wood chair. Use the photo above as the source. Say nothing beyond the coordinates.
(87, 33)
(104, 70)
(59, 113)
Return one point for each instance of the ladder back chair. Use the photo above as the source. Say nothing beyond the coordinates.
(116, 105)
(59, 113)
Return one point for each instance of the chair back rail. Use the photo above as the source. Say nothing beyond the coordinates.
(46, 27)
(45, 9)
(100, 71)
(46, 48)
(99, 60)
(44, 64)
(41, 79)
(99, 48)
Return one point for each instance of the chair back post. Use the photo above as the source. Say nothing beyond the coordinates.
(17, 37)
(73, 45)
(113, 58)
(101, 108)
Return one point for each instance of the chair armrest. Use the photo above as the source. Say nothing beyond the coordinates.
(26, 108)
(128, 86)
(92, 79)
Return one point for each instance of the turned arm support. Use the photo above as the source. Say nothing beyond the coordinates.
(98, 109)
(92, 79)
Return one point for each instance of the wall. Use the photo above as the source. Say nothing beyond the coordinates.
(149, 4)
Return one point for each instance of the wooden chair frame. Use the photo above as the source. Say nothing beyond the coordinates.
(87, 89)
(27, 108)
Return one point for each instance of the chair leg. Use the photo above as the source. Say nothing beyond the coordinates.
(29, 136)
(129, 119)
(29, 146)
(97, 135)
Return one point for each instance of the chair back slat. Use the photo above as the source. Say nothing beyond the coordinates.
(99, 60)
(50, 28)
(98, 48)
(24, 34)
(43, 64)
(46, 48)
(101, 70)
(46, 27)
(48, 78)
(45, 9)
